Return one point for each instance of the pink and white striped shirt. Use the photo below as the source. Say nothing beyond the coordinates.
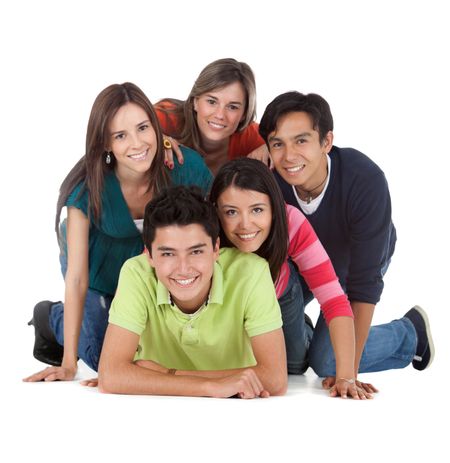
(307, 252)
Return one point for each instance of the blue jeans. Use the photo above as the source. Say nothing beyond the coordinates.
(388, 346)
(93, 327)
(297, 334)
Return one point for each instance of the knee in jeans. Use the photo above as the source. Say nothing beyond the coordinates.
(294, 369)
(323, 363)
(291, 305)
(91, 359)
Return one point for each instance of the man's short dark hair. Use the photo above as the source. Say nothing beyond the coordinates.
(179, 205)
(314, 105)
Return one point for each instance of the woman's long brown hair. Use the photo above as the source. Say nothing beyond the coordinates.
(214, 76)
(92, 167)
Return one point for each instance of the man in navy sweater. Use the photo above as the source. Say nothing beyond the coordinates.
(346, 198)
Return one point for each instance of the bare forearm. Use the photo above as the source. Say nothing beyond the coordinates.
(120, 375)
(270, 368)
(363, 313)
(127, 378)
(213, 374)
(342, 334)
(270, 379)
(76, 281)
(75, 296)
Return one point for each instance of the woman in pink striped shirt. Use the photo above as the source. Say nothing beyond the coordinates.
(254, 218)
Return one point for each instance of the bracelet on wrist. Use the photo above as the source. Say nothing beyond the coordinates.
(350, 381)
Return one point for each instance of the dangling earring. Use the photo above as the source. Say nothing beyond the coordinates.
(108, 158)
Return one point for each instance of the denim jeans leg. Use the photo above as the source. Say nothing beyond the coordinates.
(93, 327)
(297, 334)
(321, 354)
(388, 346)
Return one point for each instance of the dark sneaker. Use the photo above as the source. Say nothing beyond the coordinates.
(425, 347)
(46, 348)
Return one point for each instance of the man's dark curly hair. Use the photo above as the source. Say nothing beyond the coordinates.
(179, 205)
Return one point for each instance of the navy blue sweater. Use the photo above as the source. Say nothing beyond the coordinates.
(354, 223)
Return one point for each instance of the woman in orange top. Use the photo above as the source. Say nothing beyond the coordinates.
(217, 118)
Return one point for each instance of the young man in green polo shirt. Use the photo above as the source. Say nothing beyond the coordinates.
(188, 319)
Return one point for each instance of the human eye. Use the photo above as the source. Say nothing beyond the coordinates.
(257, 210)
(234, 107)
(167, 254)
(211, 101)
(197, 252)
(143, 127)
(119, 136)
(230, 212)
(275, 144)
(301, 141)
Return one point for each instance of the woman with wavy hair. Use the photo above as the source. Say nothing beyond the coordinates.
(105, 195)
(218, 117)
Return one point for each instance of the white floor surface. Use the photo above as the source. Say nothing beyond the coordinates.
(406, 421)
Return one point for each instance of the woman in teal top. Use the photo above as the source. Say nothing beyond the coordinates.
(105, 194)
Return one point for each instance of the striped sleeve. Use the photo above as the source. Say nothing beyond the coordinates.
(315, 266)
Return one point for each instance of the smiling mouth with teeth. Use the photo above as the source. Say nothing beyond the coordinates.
(247, 236)
(295, 169)
(184, 282)
(139, 156)
(215, 125)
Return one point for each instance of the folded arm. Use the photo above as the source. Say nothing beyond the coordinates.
(120, 375)
(270, 355)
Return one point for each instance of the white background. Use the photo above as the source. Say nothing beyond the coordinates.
(382, 66)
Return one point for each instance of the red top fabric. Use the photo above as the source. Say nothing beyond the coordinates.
(241, 143)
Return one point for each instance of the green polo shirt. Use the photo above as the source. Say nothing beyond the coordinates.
(242, 304)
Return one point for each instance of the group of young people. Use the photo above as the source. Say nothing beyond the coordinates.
(188, 262)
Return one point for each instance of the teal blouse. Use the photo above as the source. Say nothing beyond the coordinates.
(116, 238)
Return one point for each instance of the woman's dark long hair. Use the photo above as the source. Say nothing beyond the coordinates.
(250, 174)
(92, 167)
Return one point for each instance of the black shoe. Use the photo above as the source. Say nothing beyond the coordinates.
(425, 347)
(46, 348)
